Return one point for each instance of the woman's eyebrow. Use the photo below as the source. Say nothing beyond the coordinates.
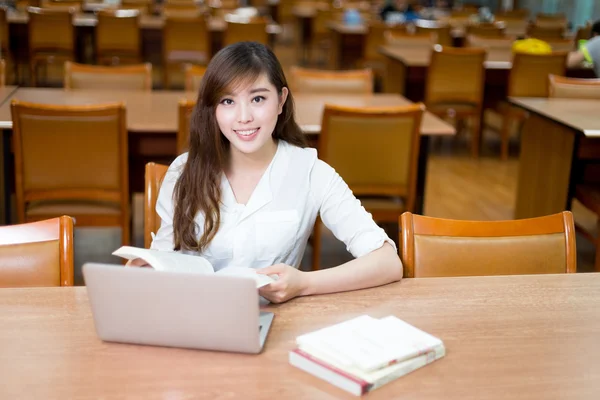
(259, 90)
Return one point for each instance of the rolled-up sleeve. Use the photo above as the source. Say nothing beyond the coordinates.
(164, 239)
(343, 214)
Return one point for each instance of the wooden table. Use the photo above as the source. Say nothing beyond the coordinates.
(152, 122)
(560, 147)
(512, 337)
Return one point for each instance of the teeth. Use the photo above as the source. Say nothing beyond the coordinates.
(247, 133)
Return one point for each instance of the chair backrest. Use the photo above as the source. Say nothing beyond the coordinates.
(154, 177)
(573, 88)
(529, 74)
(37, 254)
(184, 113)
(490, 43)
(566, 45)
(193, 77)
(442, 247)
(118, 36)
(495, 30)
(440, 34)
(50, 30)
(254, 30)
(185, 35)
(181, 10)
(521, 13)
(2, 73)
(303, 80)
(546, 32)
(456, 75)
(410, 40)
(516, 26)
(376, 38)
(4, 39)
(62, 5)
(143, 6)
(551, 20)
(70, 153)
(124, 77)
(388, 139)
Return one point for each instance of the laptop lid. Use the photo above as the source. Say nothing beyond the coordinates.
(145, 306)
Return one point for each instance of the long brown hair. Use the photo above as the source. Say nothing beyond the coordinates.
(198, 189)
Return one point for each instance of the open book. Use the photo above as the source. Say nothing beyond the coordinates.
(178, 262)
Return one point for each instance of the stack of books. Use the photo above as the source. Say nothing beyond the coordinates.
(365, 353)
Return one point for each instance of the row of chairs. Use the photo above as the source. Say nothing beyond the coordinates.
(429, 247)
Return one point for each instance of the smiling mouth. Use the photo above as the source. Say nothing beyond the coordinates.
(246, 132)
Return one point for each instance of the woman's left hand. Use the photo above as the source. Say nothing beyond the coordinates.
(290, 283)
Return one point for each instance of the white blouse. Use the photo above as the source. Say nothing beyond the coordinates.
(275, 224)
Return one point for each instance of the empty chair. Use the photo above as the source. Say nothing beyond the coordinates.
(546, 32)
(441, 33)
(37, 253)
(2, 73)
(588, 194)
(374, 39)
(185, 109)
(565, 45)
(62, 5)
(186, 40)
(383, 174)
(435, 247)
(124, 77)
(118, 37)
(454, 87)
(143, 6)
(410, 40)
(486, 30)
(154, 177)
(193, 77)
(51, 38)
(303, 80)
(181, 9)
(5, 53)
(254, 30)
(490, 43)
(528, 78)
(72, 160)
(551, 20)
(513, 25)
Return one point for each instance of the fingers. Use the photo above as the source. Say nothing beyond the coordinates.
(273, 269)
(137, 262)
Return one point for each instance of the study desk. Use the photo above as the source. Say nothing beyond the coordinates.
(152, 122)
(507, 337)
(560, 147)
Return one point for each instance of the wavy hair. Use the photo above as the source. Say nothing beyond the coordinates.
(198, 189)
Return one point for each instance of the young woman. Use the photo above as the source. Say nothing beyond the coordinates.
(248, 191)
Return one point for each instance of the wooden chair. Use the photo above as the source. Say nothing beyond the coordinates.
(528, 78)
(454, 87)
(185, 109)
(441, 33)
(62, 5)
(522, 13)
(587, 194)
(51, 38)
(374, 39)
(493, 30)
(181, 10)
(72, 160)
(153, 180)
(185, 41)
(251, 31)
(5, 52)
(37, 253)
(193, 77)
(303, 80)
(513, 25)
(143, 6)
(118, 37)
(124, 77)
(320, 35)
(546, 32)
(551, 20)
(383, 175)
(435, 247)
(563, 45)
(2, 73)
(490, 43)
(426, 39)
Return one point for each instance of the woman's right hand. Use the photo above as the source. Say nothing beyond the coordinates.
(137, 262)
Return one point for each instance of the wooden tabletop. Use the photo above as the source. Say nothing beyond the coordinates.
(420, 56)
(513, 337)
(157, 111)
(6, 93)
(579, 114)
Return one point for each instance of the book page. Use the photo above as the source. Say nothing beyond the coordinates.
(167, 261)
(261, 280)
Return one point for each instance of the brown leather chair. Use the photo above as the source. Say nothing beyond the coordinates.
(383, 174)
(118, 37)
(528, 78)
(37, 253)
(154, 177)
(193, 77)
(51, 38)
(185, 109)
(454, 86)
(587, 194)
(124, 77)
(185, 41)
(304, 80)
(434, 247)
(72, 160)
(254, 30)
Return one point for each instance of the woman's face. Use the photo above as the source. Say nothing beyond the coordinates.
(248, 116)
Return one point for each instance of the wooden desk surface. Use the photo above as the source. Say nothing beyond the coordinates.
(514, 337)
(420, 56)
(579, 114)
(157, 111)
(6, 92)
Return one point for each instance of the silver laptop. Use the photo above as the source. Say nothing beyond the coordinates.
(176, 309)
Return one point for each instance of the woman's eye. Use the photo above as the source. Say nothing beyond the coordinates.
(258, 99)
(227, 102)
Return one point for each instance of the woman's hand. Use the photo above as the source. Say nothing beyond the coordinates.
(290, 283)
(137, 262)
